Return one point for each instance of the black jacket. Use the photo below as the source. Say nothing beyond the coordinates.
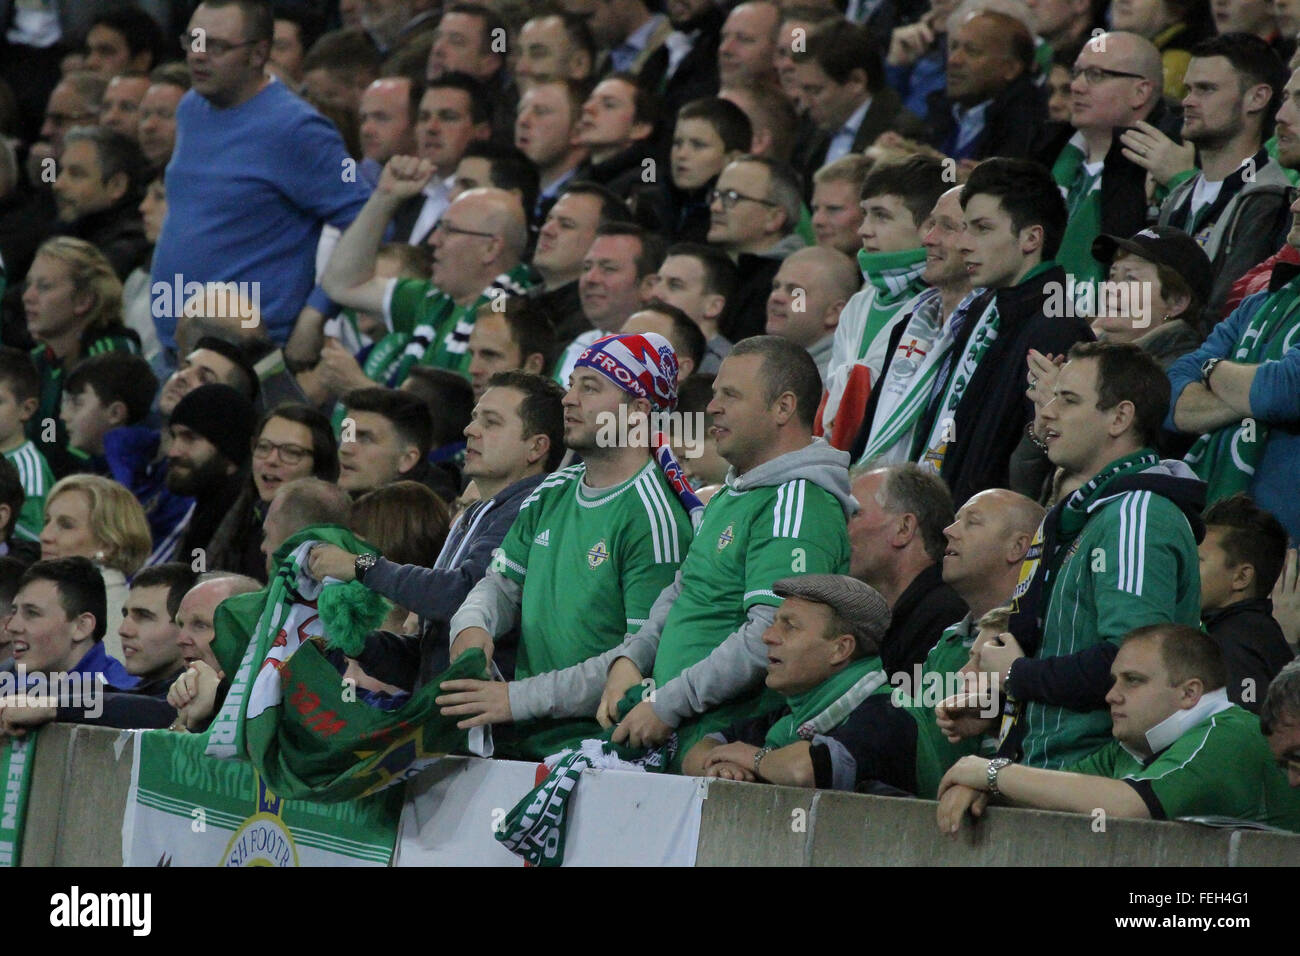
(143, 708)
(210, 507)
(696, 75)
(566, 313)
(1253, 648)
(990, 420)
(435, 594)
(746, 313)
(622, 174)
(925, 608)
(681, 215)
(117, 232)
(885, 113)
(1014, 124)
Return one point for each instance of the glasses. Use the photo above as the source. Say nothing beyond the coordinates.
(289, 454)
(731, 197)
(1095, 74)
(197, 42)
(444, 226)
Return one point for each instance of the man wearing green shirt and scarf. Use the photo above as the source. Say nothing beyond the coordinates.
(478, 247)
(1116, 554)
(896, 199)
(823, 658)
(1180, 748)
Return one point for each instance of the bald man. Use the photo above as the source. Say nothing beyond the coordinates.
(478, 247)
(747, 48)
(894, 739)
(996, 108)
(808, 293)
(1118, 84)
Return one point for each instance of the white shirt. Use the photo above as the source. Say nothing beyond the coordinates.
(436, 200)
(35, 24)
(842, 143)
(1204, 193)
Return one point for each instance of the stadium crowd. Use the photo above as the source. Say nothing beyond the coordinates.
(974, 327)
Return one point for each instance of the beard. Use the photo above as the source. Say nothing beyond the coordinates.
(185, 478)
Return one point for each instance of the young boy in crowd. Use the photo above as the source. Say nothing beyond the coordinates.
(710, 133)
(1241, 558)
(20, 386)
(104, 392)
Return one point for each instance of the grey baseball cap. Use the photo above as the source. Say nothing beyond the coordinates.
(855, 601)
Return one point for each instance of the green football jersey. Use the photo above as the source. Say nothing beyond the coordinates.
(591, 563)
(1220, 766)
(1134, 563)
(934, 754)
(747, 541)
(37, 478)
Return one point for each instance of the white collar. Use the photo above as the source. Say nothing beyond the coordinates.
(639, 37)
(854, 122)
(436, 188)
(1163, 734)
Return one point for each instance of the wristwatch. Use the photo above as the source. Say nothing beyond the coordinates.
(363, 564)
(1207, 369)
(758, 759)
(996, 764)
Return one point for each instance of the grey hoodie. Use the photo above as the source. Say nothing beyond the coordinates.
(735, 666)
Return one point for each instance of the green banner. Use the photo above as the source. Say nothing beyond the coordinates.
(16, 758)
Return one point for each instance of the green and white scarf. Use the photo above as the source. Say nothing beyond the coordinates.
(942, 432)
(288, 710)
(442, 339)
(896, 277)
(17, 754)
(826, 706)
(1083, 198)
(1226, 458)
(905, 389)
(536, 827)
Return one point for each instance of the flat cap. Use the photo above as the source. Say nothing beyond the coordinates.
(855, 601)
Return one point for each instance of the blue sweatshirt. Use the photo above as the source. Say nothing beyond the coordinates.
(248, 191)
(1274, 400)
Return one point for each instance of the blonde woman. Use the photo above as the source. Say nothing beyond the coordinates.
(93, 517)
(73, 303)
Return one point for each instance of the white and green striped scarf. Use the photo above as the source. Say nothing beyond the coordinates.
(908, 382)
(981, 338)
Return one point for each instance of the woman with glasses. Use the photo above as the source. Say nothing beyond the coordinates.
(291, 441)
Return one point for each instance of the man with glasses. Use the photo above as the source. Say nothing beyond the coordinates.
(1236, 190)
(753, 212)
(73, 102)
(246, 142)
(1118, 80)
(478, 246)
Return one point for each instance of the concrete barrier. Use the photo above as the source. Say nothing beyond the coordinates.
(82, 774)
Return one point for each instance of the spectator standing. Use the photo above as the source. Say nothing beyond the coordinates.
(236, 119)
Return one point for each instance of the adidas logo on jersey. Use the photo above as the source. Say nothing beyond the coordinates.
(543, 539)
